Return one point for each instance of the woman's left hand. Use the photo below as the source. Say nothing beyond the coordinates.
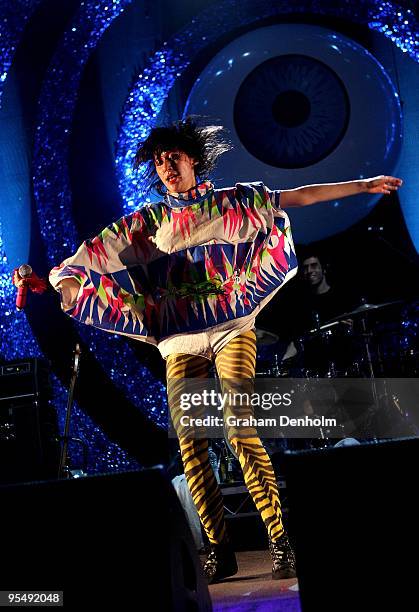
(382, 184)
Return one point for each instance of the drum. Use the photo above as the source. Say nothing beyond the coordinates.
(270, 350)
(395, 345)
(329, 351)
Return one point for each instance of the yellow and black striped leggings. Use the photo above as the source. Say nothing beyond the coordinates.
(235, 362)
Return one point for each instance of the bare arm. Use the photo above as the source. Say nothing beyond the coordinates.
(69, 288)
(311, 194)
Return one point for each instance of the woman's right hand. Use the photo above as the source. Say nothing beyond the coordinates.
(17, 279)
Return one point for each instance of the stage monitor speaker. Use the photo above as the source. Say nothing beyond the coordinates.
(115, 541)
(29, 446)
(353, 516)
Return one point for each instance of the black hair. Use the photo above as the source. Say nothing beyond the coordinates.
(204, 143)
(308, 252)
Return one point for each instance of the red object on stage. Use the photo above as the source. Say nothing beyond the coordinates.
(30, 279)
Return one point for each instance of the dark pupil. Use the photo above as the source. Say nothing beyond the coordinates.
(291, 108)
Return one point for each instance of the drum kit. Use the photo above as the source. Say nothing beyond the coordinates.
(359, 343)
(377, 342)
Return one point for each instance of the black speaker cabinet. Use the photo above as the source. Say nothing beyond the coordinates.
(29, 447)
(117, 541)
(353, 515)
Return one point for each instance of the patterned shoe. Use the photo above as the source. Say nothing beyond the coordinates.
(283, 559)
(221, 562)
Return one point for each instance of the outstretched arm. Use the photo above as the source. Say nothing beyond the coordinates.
(311, 194)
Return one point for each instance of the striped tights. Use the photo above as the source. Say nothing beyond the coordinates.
(235, 363)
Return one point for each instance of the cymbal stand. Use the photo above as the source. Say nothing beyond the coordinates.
(276, 370)
(325, 336)
(366, 335)
(331, 373)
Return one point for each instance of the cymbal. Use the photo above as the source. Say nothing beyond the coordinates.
(263, 336)
(362, 309)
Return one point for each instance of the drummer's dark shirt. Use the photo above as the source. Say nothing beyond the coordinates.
(293, 313)
(318, 309)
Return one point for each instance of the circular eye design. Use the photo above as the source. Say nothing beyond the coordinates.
(300, 102)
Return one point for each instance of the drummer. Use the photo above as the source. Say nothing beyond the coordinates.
(318, 304)
(321, 301)
(312, 302)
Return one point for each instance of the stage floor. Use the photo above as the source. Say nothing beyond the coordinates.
(253, 590)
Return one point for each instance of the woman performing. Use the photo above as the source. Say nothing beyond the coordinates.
(189, 274)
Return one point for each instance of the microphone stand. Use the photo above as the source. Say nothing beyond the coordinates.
(64, 469)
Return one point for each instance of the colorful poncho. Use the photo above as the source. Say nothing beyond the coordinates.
(192, 262)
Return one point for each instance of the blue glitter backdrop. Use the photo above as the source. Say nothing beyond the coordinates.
(16, 336)
(143, 107)
(13, 19)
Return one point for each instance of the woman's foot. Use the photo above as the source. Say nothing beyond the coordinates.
(221, 562)
(283, 559)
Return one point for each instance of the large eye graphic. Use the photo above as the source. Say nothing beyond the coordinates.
(303, 105)
(300, 102)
